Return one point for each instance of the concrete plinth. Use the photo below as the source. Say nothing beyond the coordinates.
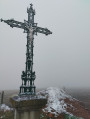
(29, 108)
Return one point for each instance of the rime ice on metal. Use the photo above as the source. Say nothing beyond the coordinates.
(28, 76)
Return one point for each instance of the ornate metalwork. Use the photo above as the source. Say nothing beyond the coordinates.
(28, 76)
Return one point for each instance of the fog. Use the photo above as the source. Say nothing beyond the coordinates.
(61, 59)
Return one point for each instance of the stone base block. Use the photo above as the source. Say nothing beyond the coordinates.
(27, 109)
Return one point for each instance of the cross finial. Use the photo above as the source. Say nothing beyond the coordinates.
(31, 5)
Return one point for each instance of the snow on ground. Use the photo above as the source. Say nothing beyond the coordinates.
(5, 107)
(55, 104)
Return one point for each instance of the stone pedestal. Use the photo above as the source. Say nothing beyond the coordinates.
(27, 108)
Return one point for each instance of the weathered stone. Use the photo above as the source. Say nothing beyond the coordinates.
(28, 109)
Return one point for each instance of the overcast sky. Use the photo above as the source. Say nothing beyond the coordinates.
(60, 59)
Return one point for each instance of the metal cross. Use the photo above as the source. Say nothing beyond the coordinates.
(28, 76)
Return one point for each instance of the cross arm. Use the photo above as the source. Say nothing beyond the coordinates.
(43, 30)
(14, 23)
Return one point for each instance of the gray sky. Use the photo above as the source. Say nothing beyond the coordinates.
(60, 59)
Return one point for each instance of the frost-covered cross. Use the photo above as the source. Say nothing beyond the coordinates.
(31, 28)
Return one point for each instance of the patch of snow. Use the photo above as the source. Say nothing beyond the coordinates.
(55, 104)
(5, 107)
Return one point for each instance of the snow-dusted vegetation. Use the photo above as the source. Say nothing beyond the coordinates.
(55, 96)
(6, 112)
(61, 105)
(5, 107)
